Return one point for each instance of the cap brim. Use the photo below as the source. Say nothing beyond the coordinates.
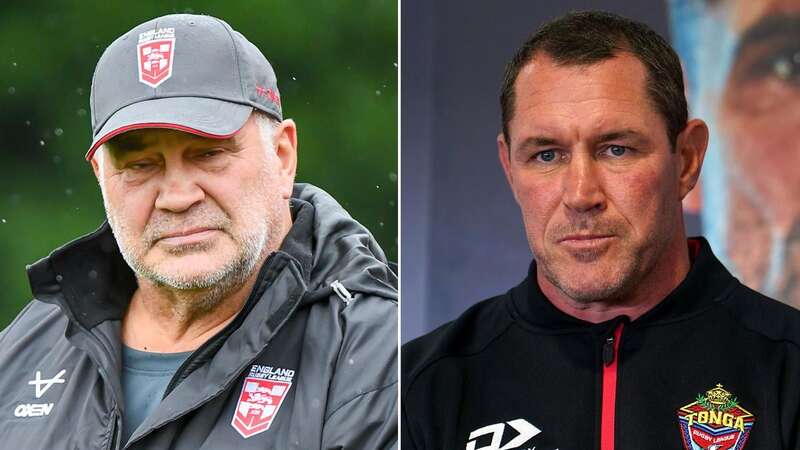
(207, 117)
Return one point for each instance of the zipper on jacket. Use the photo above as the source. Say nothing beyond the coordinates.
(342, 292)
(114, 439)
(608, 407)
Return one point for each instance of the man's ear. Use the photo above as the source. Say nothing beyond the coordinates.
(285, 144)
(693, 202)
(96, 161)
(691, 148)
(504, 154)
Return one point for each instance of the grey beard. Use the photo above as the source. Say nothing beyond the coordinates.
(231, 274)
(208, 291)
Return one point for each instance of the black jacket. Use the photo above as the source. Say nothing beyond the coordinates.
(305, 365)
(715, 362)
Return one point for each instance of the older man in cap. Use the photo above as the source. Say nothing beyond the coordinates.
(221, 305)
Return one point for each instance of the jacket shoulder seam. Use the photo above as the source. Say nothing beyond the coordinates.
(8, 330)
(356, 397)
(777, 339)
(763, 335)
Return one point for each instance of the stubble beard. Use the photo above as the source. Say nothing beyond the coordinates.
(622, 276)
(200, 292)
(617, 285)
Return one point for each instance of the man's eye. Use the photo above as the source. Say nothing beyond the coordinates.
(546, 156)
(781, 63)
(139, 165)
(209, 154)
(786, 65)
(617, 150)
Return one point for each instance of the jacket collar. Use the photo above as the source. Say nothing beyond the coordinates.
(706, 284)
(87, 277)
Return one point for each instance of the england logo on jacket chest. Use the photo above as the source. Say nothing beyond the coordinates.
(715, 421)
(263, 392)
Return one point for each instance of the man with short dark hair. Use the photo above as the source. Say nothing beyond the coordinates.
(221, 305)
(624, 335)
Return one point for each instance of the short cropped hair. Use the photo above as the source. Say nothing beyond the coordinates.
(585, 38)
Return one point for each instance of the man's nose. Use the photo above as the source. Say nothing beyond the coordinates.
(179, 190)
(583, 188)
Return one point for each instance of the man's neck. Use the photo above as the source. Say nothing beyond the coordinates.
(166, 320)
(663, 278)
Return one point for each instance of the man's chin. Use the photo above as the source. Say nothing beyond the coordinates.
(588, 283)
(591, 293)
(184, 280)
(189, 271)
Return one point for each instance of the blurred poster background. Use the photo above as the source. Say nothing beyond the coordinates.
(742, 64)
(462, 234)
(337, 72)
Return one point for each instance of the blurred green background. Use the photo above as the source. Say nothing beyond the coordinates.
(336, 63)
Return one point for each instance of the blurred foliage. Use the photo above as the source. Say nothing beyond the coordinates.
(337, 71)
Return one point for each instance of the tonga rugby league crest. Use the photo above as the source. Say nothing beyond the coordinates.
(155, 53)
(263, 392)
(715, 421)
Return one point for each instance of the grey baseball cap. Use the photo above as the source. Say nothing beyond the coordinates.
(184, 72)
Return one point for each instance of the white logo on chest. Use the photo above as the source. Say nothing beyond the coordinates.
(525, 431)
(42, 386)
